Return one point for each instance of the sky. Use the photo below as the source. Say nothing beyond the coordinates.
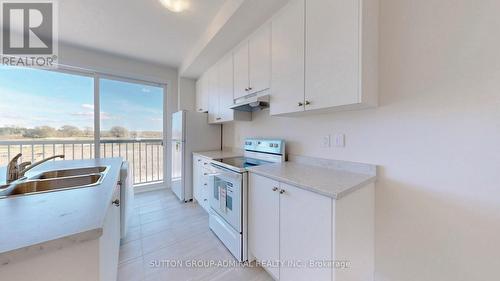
(34, 97)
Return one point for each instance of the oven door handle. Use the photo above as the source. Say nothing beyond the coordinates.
(220, 168)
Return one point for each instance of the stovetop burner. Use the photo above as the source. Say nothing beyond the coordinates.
(242, 162)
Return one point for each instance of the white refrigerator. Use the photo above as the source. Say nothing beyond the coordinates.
(190, 133)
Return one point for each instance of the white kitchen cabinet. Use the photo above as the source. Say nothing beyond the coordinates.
(293, 225)
(305, 233)
(205, 192)
(241, 70)
(201, 171)
(259, 65)
(213, 95)
(341, 54)
(287, 90)
(202, 94)
(252, 63)
(225, 90)
(221, 93)
(109, 243)
(197, 168)
(330, 61)
(263, 223)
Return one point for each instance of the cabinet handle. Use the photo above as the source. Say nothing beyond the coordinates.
(218, 118)
(116, 203)
(205, 200)
(246, 89)
(282, 191)
(308, 102)
(301, 104)
(275, 188)
(199, 160)
(201, 109)
(250, 88)
(205, 184)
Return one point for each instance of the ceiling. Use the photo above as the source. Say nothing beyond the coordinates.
(137, 29)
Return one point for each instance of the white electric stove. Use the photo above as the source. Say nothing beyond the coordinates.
(228, 192)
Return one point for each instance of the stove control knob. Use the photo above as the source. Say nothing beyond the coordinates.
(270, 145)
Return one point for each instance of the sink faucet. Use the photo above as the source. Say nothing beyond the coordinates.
(16, 171)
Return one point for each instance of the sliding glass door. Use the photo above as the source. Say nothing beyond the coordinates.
(131, 116)
(45, 113)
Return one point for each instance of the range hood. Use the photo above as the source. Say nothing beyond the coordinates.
(251, 103)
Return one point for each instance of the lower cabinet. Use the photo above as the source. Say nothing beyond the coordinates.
(263, 221)
(296, 234)
(305, 234)
(201, 171)
(109, 242)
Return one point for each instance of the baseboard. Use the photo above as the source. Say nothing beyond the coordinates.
(150, 187)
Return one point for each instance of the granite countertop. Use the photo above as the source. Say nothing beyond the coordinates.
(33, 224)
(215, 154)
(334, 183)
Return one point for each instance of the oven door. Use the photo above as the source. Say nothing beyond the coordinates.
(226, 194)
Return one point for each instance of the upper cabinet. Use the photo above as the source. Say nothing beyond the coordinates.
(339, 38)
(341, 53)
(241, 76)
(312, 56)
(202, 94)
(252, 64)
(287, 91)
(213, 94)
(259, 49)
(221, 93)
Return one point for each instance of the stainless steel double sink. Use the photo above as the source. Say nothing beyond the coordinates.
(56, 180)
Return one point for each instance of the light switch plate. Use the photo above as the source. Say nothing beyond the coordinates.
(339, 140)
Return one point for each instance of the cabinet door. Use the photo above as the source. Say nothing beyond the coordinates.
(240, 56)
(260, 60)
(263, 220)
(205, 193)
(332, 53)
(287, 91)
(201, 94)
(225, 89)
(197, 170)
(305, 233)
(205, 178)
(213, 95)
(109, 242)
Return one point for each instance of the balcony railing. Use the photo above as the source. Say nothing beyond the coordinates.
(144, 155)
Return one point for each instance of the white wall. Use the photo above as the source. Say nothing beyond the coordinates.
(122, 66)
(436, 137)
(187, 94)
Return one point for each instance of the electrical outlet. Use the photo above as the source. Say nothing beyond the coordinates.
(339, 140)
(325, 142)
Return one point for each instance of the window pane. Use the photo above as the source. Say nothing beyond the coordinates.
(46, 106)
(130, 110)
(132, 126)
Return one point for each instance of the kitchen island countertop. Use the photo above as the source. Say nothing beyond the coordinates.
(37, 223)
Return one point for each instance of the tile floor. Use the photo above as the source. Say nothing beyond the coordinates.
(165, 236)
